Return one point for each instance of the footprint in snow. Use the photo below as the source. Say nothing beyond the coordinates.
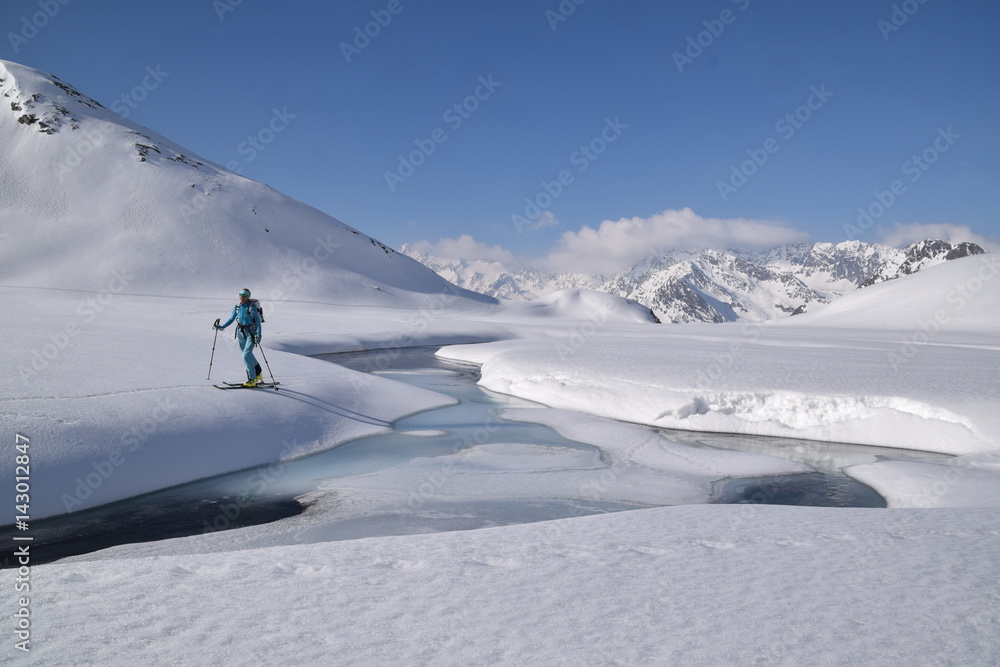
(715, 545)
(650, 551)
(490, 561)
(398, 564)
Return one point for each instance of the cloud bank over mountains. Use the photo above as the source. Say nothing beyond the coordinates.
(901, 235)
(615, 245)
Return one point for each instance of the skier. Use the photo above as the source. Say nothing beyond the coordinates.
(248, 332)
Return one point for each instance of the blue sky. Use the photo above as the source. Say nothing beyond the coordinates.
(770, 120)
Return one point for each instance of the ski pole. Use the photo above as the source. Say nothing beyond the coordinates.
(261, 348)
(213, 349)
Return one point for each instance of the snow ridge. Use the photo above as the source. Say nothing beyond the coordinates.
(921, 256)
(800, 411)
(42, 103)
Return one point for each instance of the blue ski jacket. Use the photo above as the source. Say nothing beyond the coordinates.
(247, 316)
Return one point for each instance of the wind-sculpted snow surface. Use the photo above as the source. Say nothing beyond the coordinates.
(967, 481)
(581, 304)
(785, 396)
(805, 412)
(697, 585)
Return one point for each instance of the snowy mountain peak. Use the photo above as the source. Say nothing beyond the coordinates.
(41, 101)
(87, 195)
(922, 255)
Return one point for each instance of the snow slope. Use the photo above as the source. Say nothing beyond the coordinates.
(957, 296)
(696, 585)
(576, 303)
(867, 370)
(93, 201)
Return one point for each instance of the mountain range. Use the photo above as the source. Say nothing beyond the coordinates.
(683, 286)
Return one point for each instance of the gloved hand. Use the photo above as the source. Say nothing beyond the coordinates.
(216, 325)
(256, 339)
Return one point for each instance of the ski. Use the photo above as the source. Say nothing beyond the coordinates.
(235, 385)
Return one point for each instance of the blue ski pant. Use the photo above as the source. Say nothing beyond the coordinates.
(246, 343)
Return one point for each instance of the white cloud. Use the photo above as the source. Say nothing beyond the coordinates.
(615, 245)
(618, 244)
(900, 235)
(546, 219)
(466, 248)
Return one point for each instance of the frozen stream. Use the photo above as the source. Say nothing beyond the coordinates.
(453, 468)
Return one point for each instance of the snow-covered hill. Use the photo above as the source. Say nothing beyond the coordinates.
(583, 304)
(959, 296)
(91, 200)
(713, 285)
